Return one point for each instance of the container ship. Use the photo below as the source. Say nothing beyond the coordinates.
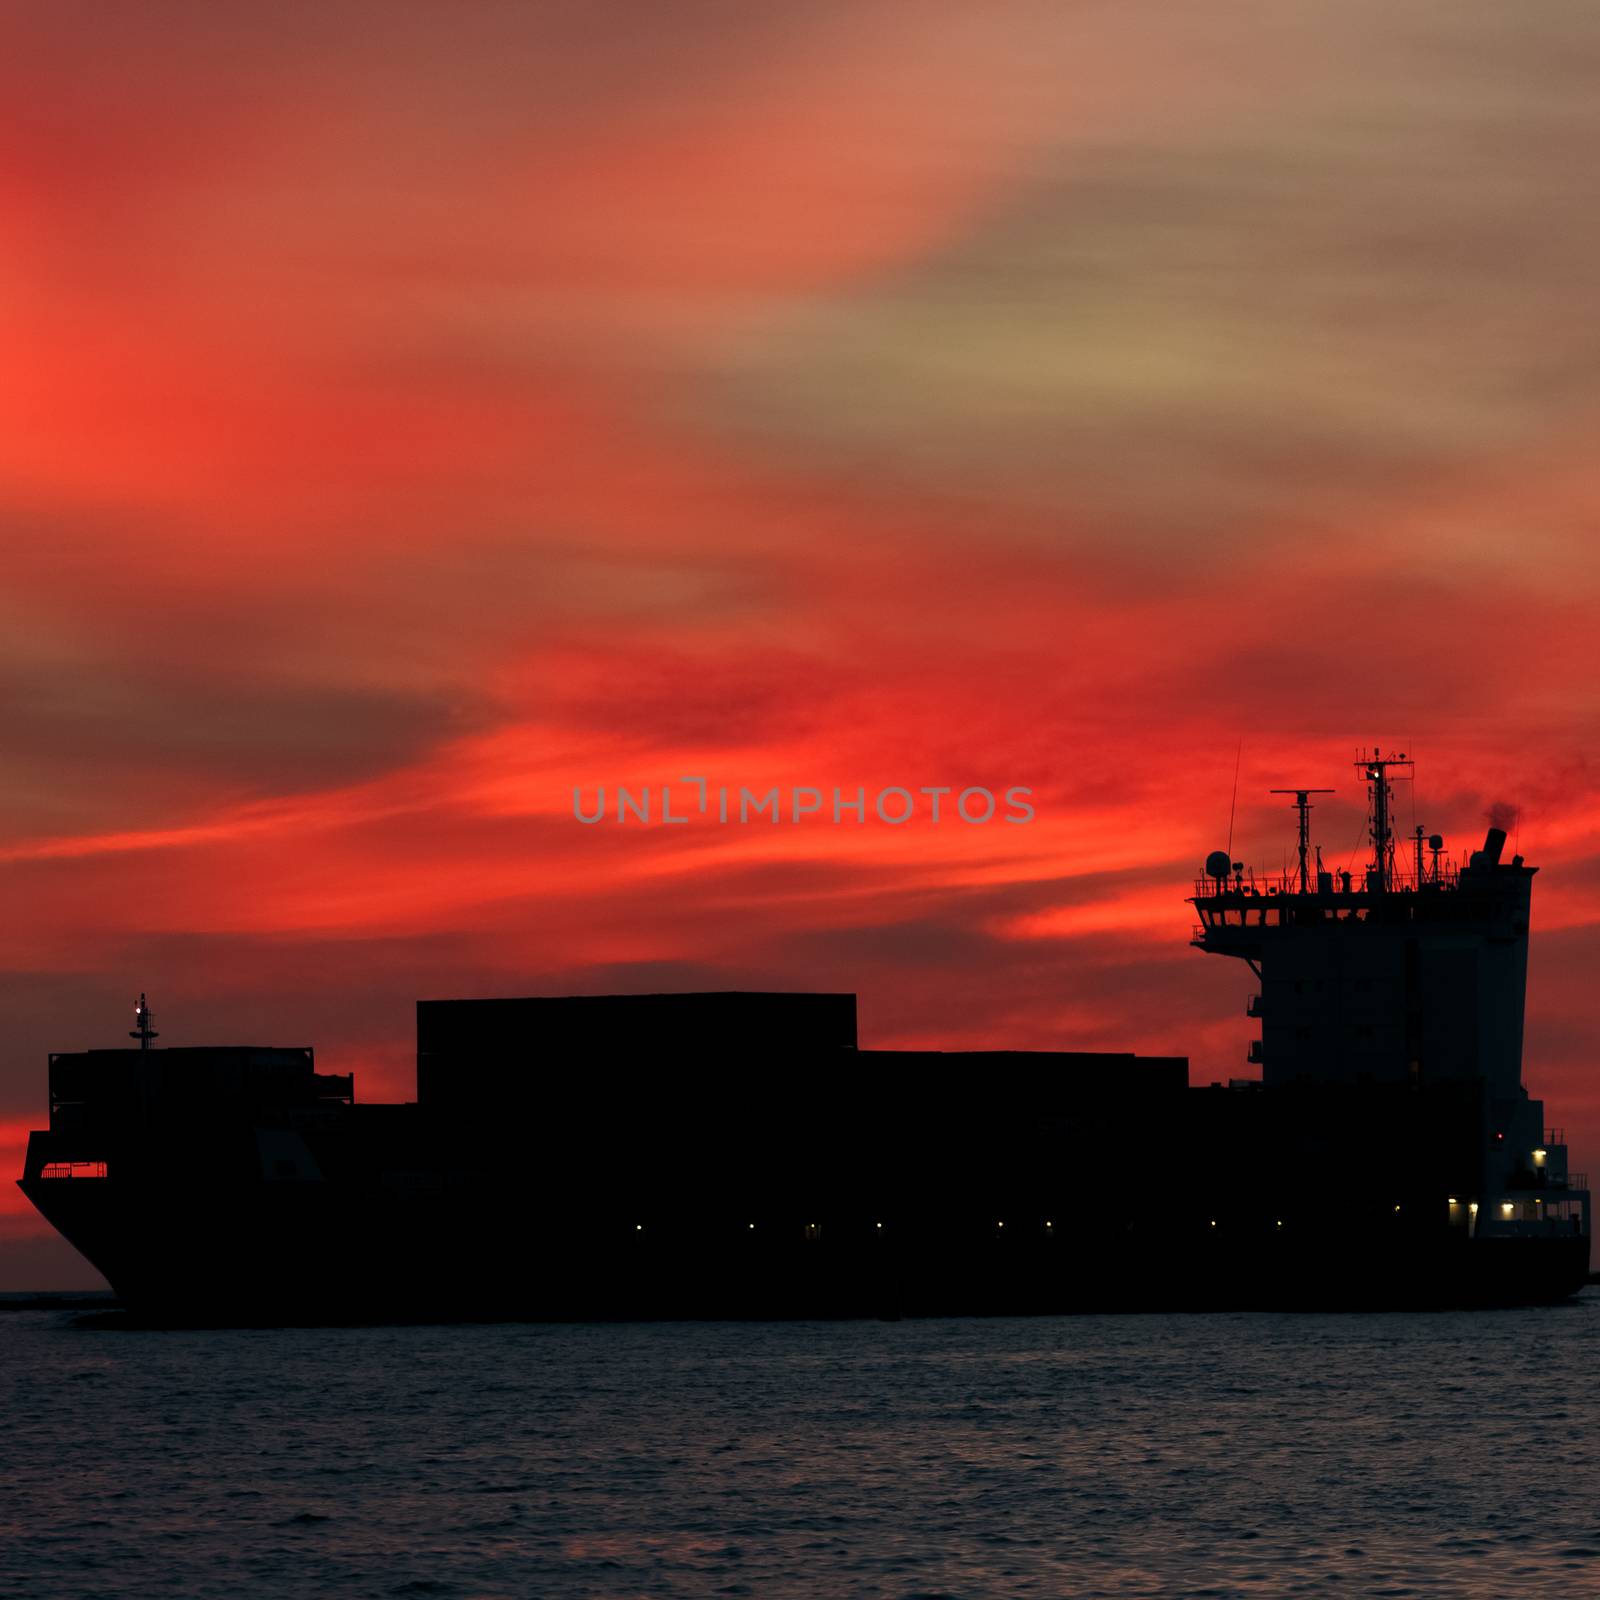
(740, 1155)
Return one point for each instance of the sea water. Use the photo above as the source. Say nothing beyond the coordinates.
(1395, 1455)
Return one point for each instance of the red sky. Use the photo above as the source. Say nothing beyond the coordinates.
(412, 411)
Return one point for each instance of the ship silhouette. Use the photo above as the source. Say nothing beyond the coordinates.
(740, 1155)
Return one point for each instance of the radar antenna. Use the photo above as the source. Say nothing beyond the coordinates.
(144, 1033)
(1302, 805)
(1375, 769)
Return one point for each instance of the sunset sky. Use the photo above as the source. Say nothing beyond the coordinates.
(412, 411)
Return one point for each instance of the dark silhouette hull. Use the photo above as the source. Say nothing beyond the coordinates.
(308, 1254)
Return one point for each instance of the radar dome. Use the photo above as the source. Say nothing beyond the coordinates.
(1217, 864)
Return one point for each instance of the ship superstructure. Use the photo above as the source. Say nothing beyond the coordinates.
(1409, 976)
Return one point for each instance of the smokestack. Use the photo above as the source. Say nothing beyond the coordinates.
(1493, 843)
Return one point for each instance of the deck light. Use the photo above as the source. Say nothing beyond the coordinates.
(1473, 1208)
(1506, 1208)
(1538, 1157)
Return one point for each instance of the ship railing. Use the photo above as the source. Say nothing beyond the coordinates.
(1555, 1136)
(1276, 883)
(1543, 1178)
(1526, 1177)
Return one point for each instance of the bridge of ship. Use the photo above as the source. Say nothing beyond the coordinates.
(1279, 901)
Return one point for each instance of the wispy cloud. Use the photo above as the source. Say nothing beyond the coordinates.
(411, 416)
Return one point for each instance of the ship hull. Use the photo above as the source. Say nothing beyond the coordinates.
(314, 1253)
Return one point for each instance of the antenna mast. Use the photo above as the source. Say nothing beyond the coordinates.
(1302, 805)
(144, 1033)
(1375, 769)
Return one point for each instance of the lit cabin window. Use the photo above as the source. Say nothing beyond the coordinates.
(73, 1169)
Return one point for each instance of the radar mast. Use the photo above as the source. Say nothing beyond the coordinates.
(144, 1033)
(1375, 769)
(1302, 806)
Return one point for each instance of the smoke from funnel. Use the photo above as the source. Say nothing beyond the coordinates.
(1502, 815)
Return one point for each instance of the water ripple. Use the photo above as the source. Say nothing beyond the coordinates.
(1401, 1456)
